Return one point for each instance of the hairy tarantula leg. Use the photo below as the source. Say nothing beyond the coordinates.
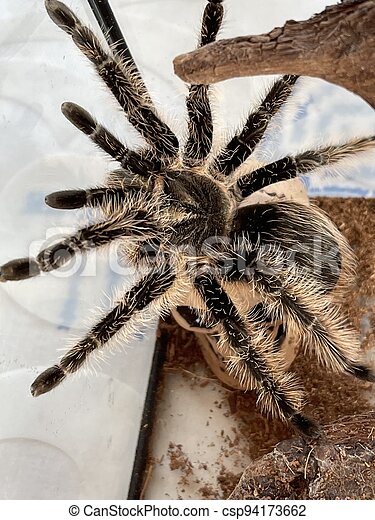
(120, 78)
(200, 125)
(297, 298)
(335, 344)
(276, 392)
(130, 160)
(290, 167)
(136, 223)
(86, 123)
(150, 288)
(242, 145)
(74, 199)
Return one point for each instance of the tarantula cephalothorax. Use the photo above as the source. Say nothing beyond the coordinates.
(183, 213)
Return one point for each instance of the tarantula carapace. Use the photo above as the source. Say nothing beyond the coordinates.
(185, 215)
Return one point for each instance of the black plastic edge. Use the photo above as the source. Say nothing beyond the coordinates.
(140, 459)
(109, 26)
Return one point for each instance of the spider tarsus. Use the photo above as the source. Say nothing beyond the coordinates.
(305, 425)
(61, 15)
(67, 199)
(79, 117)
(363, 372)
(19, 269)
(47, 380)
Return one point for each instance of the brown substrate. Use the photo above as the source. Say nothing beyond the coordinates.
(330, 396)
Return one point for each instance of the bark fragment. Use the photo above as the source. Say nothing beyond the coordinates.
(337, 45)
(340, 465)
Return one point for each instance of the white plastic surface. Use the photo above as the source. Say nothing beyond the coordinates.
(79, 441)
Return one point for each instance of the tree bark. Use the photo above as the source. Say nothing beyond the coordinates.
(337, 45)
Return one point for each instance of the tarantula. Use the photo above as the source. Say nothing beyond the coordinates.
(183, 214)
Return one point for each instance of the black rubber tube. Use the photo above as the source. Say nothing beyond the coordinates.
(109, 26)
(141, 454)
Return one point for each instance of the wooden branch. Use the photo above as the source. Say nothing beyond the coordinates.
(337, 45)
